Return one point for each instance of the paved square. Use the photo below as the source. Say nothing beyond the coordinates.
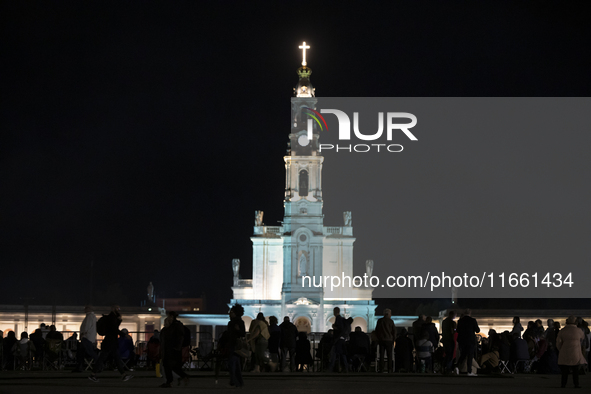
(146, 382)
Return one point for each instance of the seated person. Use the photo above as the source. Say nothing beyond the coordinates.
(126, 348)
(325, 347)
(403, 359)
(425, 350)
(505, 346)
(542, 345)
(303, 356)
(519, 349)
(548, 363)
(37, 339)
(359, 346)
(493, 340)
(53, 344)
(359, 342)
(490, 361)
(23, 350)
(54, 334)
(153, 349)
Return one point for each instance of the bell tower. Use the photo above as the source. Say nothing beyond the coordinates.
(303, 219)
(303, 246)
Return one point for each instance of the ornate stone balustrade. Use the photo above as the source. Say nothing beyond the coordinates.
(268, 230)
(339, 231)
(244, 283)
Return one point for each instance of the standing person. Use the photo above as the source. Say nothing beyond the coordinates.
(550, 334)
(431, 329)
(171, 345)
(109, 326)
(588, 334)
(568, 342)
(289, 333)
(556, 328)
(325, 348)
(259, 337)
(236, 330)
(87, 339)
(7, 344)
(517, 327)
(386, 334)
(417, 328)
(425, 352)
(303, 355)
(539, 327)
(584, 326)
(467, 329)
(274, 340)
(447, 339)
(339, 349)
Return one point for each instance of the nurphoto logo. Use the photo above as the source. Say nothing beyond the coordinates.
(345, 130)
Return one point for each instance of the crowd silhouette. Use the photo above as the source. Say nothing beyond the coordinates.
(457, 347)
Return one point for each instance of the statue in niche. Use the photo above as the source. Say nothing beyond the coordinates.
(258, 218)
(236, 270)
(369, 268)
(347, 218)
(303, 266)
(151, 292)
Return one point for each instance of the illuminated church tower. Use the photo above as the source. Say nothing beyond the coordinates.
(302, 246)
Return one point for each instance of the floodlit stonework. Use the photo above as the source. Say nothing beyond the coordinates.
(303, 245)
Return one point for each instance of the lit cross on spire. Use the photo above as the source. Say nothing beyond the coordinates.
(303, 47)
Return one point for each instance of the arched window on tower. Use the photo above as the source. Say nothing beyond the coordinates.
(303, 183)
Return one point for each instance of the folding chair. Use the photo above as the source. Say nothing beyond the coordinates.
(23, 357)
(126, 362)
(89, 362)
(359, 358)
(52, 356)
(526, 366)
(504, 366)
(205, 355)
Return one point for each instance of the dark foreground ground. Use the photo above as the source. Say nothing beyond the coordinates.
(146, 382)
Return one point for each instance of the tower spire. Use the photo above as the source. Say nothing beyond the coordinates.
(304, 87)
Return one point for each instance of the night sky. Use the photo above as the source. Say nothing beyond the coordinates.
(142, 136)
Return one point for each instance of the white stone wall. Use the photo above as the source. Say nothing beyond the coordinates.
(267, 257)
(338, 261)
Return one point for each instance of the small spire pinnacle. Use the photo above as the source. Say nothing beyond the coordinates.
(304, 88)
(303, 47)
